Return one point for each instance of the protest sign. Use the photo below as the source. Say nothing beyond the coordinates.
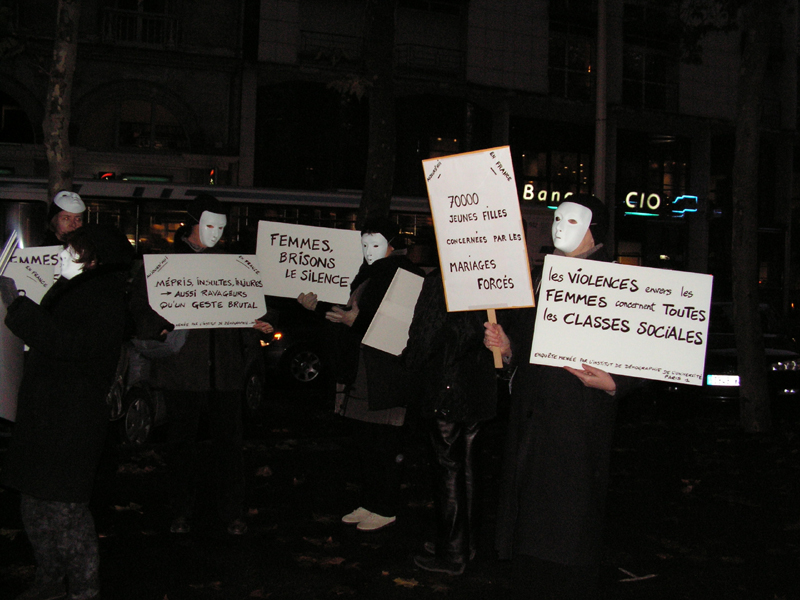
(637, 321)
(298, 259)
(478, 225)
(201, 291)
(34, 270)
(388, 330)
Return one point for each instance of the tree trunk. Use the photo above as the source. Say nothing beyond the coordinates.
(58, 103)
(758, 24)
(379, 66)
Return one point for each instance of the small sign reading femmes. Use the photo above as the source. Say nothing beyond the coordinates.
(478, 225)
(298, 259)
(34, 270)
(636, 321)
(201, 291)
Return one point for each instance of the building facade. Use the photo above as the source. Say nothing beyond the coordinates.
(271, 95)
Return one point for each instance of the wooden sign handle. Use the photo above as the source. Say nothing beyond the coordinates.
(498, 359)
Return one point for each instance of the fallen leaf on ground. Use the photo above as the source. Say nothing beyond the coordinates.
(132, 507)
(409, 583)
(331, 561)
(438, 587)
(10, 533)
(252, 512)
(264, 471)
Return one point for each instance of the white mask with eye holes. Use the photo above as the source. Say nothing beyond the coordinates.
(374, 246)
(69, 265)
(570, 224)
(211, 227)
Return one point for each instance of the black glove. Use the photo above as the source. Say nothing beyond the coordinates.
(8, 290)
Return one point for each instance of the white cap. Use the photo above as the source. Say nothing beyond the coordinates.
(70, 202)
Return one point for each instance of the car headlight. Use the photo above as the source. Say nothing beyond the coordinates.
(786, 365)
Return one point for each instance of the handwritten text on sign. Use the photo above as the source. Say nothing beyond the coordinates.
(34, 270)
(478, 224)
(200, 291)
(637, 321)
(297, 259)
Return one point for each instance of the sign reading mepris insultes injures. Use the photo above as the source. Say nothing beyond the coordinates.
(482, 250)
(300, 259)
(200, 291)
(623, 319)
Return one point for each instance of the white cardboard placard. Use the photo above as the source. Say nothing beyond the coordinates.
(623, 319)
(202, 291)
(476, 215)
(388, 330)
(298, 259)
(34, 270)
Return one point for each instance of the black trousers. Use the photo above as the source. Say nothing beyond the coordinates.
(454, 486)
(227, 463)
(380, 452)
(64, 543)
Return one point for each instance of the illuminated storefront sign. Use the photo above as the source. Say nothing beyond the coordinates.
(637, 204)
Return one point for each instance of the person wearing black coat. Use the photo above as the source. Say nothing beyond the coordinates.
(459, 392)
(373, 387)
(206, 373)
(556, 463)
(75, 336)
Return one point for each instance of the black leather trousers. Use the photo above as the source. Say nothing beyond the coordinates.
(453, 444)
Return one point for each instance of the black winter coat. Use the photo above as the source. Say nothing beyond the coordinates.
(210, 359)
(556, 463)
(446, 349)
(388, 382)
(74, 337)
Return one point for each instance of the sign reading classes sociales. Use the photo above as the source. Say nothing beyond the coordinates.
(299, 259)
(637, 321)
(476, 215)
(200, 291)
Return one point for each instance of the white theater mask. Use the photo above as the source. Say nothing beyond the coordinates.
(211, 227)
(374, 246)
(570, 224)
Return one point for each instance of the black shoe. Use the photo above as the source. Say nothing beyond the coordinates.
(47, 592)
(180, 525)
(430, 548)
(237, 527)
(438, 565)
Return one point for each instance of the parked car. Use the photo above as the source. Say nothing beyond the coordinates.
(138, 408)
(721, 374)
(296, 351)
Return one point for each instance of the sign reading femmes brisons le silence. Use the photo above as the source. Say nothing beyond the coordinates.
(629, 320)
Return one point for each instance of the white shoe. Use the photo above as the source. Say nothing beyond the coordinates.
(358, 515)
(375, 522)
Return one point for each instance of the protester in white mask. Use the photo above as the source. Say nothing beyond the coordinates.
(205, 374)
(561, 422)
(374, 246)
(64, 216)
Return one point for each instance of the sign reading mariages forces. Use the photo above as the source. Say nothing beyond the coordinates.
(200, 291)
(478, 224)
(298, 259)
(637, 321)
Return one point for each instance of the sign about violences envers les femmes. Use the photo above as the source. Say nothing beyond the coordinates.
(623, 319)
(482, 250)
(201, 291)
(299, 259)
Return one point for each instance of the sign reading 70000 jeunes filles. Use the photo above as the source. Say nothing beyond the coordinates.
(482, 250)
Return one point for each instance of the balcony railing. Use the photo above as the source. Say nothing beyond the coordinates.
(429, 58)
(330, 48)
(133, 27)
